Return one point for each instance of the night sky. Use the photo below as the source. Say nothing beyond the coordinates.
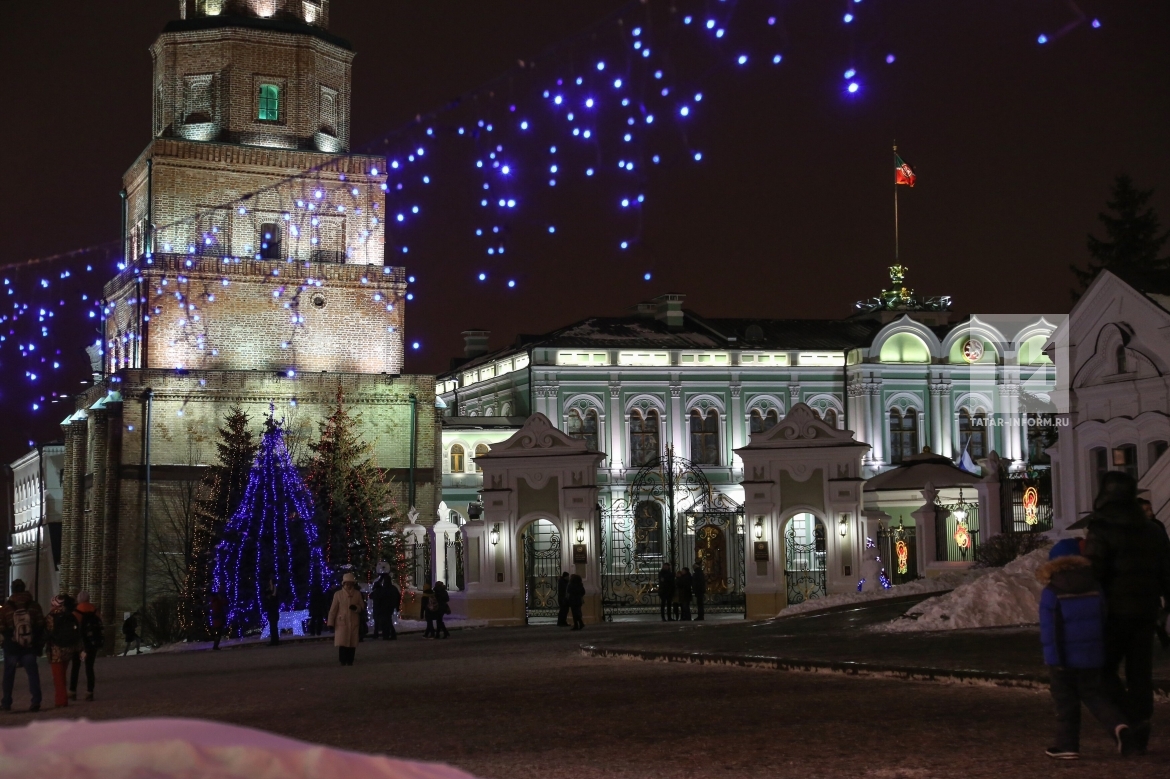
(789, 214)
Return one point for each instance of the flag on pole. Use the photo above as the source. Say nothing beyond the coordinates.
(966, 462)
(903, 173)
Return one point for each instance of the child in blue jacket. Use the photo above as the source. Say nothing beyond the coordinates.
(1072, 630)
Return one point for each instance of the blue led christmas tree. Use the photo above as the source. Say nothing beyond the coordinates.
(271, 534)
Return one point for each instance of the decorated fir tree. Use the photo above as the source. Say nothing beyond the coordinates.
(354, 509)
(271, 534)
(221, 491)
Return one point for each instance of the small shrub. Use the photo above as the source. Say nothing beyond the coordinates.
(998, 551)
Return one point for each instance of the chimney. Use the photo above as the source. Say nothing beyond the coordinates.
(670, 310)
(475, 343)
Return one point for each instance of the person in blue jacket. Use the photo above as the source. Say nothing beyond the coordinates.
(1072, 631)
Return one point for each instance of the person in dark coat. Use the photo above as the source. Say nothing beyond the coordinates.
(442, 607)
(1131, 560)
(426, 610)
(271, 603)
(666, 592)
(130, 634)
(320, 599)
(563, 600)
(92, 640)
(22, 623)
(685, 584)
(1072, 632)
(576, 598)
(217, 608)
(386, 598)
(1160, 625)
(699, 585)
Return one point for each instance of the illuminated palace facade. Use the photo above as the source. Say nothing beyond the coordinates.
(900, 375)
(254, 274)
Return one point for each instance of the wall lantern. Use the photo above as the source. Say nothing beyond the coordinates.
(843, 526)
(759, 528)
(494, 536)
(580, 532)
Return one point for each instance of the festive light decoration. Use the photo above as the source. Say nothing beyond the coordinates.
(962, 534)
(608, 105)
(902, 550)
(1031, 501)
(271, 534)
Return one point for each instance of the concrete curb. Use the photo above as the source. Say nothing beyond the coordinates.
(1037, 682)
(916, 597)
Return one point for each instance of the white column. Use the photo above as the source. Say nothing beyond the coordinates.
(936, 419)
(877, 420)
(946, 402)
(617, 424)
(677, 421)
(738, 437)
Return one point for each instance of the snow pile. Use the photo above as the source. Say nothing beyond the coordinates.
(187, 749)
(1002, 596)
(948, 581)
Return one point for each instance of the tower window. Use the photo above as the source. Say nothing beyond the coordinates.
(269, 109)
(270, 241)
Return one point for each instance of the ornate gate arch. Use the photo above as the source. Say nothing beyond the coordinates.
(670, 514)
(542, 568)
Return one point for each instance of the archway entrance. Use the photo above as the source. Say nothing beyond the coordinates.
(805, 558)
(542, 568)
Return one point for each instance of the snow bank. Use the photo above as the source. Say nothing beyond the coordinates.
(948, 581)
(1002, 596)
(187, 749)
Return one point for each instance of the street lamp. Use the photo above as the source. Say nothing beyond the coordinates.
(844, 525)
(494, 536)
(580, 532)
(759, 528)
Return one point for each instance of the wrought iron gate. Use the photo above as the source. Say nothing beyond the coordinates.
(542, 568)
(670, 514)
(956, 530)
(898, 548)
(1028, 504)
(805, 561)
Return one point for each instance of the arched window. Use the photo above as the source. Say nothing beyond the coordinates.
(904, 347)
(457, 458)
(705, 437)
(973, 433)
(903, 434)
(643, 437)
(1122, 366)
(764, 422)
(648, 530)
(480, 451)
(831, 417)
(583, 427)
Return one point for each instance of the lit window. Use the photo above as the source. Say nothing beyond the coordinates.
(903, 434)
(480, 451)
(269, 110)
(583, 427)
(831, 418)
(457, 456)
(1125, 460)
(973, 433)
(705, 437)
(643, 438)
(764, 422)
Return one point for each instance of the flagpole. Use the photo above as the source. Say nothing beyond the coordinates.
(895, 204)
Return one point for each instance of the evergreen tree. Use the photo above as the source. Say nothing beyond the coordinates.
(271, 534)
(220, 494)
(1133, 240)
(354, 509)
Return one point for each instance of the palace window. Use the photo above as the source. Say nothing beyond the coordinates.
(705, 437)
(480, 451)
(1154, 450)
(457, 458)
(973, 433)
(903, 434)
(583, 427)
(763, 422)
(1125, 459)
(270, 241)
(269, 106)
(643, 438)
(831, 417)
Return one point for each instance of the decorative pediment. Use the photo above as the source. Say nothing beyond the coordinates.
(800, 428)
(537, 437)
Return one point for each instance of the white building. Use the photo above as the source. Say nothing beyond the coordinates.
(1113, 361)
(36, 512)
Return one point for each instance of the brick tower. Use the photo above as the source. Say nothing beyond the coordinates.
(254, 273)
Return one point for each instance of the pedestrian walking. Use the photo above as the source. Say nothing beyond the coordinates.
(271, 603)
(320, 599)
(1072, 632)
(576, 598)
(426, 611)
(386, 598)
(92, 640)
(217, 607)
(63, 642)
(685, 588)
(563, 600)
(442, 607)
(345, 613)
(699, 586)
(666, 592)
(130, 634)
(22, 623)
(1131, 560)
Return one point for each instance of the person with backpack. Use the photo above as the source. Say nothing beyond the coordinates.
(1072, 632)
(22, 624)
(92, 640)
(63, 640)
(442, 607)
(130, 634)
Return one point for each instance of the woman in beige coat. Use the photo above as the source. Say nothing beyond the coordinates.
(345, 617)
